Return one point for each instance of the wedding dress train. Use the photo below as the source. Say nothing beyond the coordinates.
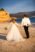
(14, 34)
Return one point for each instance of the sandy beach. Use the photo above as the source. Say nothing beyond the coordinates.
(24, 46)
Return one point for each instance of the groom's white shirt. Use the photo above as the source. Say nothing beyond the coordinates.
(25, 21)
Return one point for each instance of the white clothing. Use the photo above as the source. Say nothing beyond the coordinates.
(14, 34)
(25, 21)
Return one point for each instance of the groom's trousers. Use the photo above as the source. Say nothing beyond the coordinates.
(26, 31)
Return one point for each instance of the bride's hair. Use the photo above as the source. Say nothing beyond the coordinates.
(13, 20)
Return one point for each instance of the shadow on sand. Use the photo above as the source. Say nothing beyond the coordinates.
(2, 37)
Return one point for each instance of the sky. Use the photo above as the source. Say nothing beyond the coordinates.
(15, 6)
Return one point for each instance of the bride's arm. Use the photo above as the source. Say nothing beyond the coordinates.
(17, 24)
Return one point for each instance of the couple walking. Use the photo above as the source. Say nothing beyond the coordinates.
(14, 33)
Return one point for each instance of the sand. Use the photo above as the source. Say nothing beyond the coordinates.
(24, 46)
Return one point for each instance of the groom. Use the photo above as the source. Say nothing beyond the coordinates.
(26, 23)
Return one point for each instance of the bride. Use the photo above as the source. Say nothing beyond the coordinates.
(14, 33)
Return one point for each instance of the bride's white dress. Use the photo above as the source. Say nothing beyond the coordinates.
(14, 34)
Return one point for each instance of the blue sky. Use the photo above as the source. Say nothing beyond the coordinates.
(15, 6)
